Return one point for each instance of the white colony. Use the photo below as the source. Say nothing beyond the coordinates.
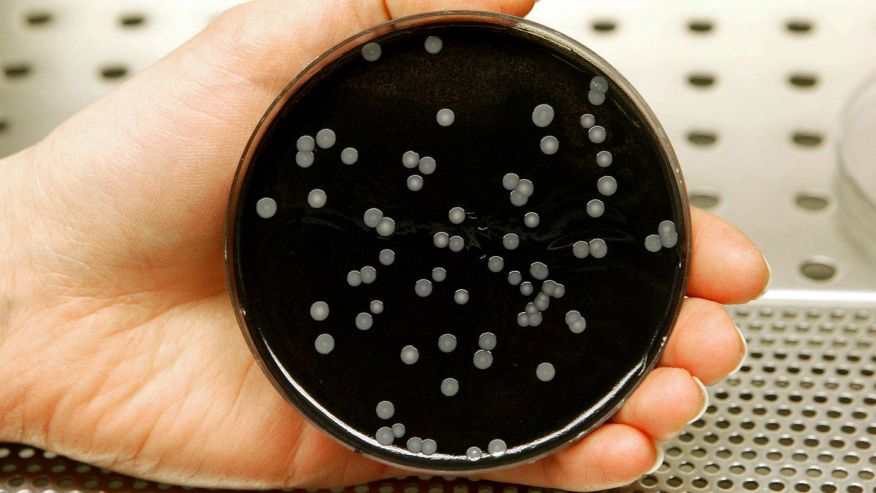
(456, 243)
(429, 446)
(598, 248)
(364, 321)
(371, 52)
(596, 97)
(410, 159)
(414, 183)
(445, 117)
(580, 249)
(325, 138)
(597, 134)
(266, 207)
(304, 159)
(423, 288)
(305, 143)
(515, 277)
(531, 219)
(542, 115)
(385, 409)
(456, 215)
(316, 198)
(473, 453)
(495, 264)
(410, 355)
(549, 145)
(372, 217)
(349, 155)
(606, 185)
(319, 311)
(398, 430)
(427, 165)
(587, 120)
(538, 270)
(447, 343)
(653, 243)
(354, 278)
(517, 198)
(386, 227)
(603, 159)
(449, 387)
(324, 343)
(487, 341)
(376, 307)
(496, 447)
(415, 445)
(386, 256)
(545, 372)
(595, 208)
(433, 45)
(369, 274)
(482, 359)
(384, 436)
(441, 239)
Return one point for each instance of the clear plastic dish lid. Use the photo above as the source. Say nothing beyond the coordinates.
(457, 242)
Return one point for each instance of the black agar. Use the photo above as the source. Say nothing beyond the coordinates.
(490, 274)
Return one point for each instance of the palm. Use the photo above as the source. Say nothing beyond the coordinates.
(166, 357)
(188, 397)
(135, 305)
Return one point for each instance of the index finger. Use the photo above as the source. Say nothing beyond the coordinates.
(726, 266)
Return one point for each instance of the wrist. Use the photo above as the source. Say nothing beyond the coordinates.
(15, 294)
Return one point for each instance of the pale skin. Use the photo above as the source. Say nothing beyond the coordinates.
(118, 344)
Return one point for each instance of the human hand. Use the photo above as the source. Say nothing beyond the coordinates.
(118, 344)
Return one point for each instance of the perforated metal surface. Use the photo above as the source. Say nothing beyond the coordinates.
(750, 93)
(799, 416)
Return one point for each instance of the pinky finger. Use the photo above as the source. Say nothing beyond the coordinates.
(611, 456)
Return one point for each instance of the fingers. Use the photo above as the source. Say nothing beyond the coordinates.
(725, 266)
(409, 7)
(611, 456)
(705, 345)
(664, 403)
(705, 342)
(272, 40)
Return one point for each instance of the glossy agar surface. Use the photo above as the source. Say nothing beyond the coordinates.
(510, 319)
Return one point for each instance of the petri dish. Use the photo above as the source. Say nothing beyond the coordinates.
(457, 242)
(855, 182)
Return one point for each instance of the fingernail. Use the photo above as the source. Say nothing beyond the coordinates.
(705, 394)
(769, 282)
(744, 351)
(657, 463)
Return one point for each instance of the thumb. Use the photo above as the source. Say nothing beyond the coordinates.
(262, 37)
(163, 147)
(217, 85)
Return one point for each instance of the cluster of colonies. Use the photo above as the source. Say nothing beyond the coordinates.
(426, 165)
(387, 435)
(520, 191)
(666, 237)
(306, 145)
